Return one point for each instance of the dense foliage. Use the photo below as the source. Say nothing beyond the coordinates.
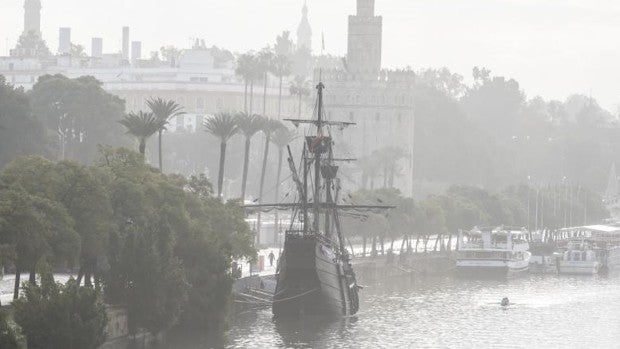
(8, 335)
(20, 132)
(464, 207)
(59, 316)
(159, 245)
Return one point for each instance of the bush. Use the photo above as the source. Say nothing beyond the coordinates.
(61, 316)
(8, 337)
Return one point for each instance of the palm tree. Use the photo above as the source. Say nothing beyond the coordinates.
(370, 167)
(142, 126)
(269, 127)
(249, 125)
(265, 61)
(245, 69)
(223, 126)
(163, 110)
(299, 88)
(281, 138)
(281, 68)
(389, 158)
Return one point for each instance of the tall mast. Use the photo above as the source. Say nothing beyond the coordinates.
(317, 157)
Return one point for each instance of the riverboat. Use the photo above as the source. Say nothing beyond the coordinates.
(494, 251)
(581, 257)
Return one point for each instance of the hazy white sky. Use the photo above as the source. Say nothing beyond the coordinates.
(552, 47)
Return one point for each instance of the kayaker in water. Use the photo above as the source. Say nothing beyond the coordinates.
(505, 302)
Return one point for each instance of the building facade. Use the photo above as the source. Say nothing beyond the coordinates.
(379, 101)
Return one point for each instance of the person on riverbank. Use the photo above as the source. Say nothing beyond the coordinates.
(271, 258)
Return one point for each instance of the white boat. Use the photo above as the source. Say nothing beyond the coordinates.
(493, 252)
(544, 264)
(580, 257)
(607, 245)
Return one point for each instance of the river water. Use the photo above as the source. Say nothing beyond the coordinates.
(548, 311)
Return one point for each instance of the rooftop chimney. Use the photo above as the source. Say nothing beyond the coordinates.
(136, 51)
(64, 41)
(97, 47)
(126, 43)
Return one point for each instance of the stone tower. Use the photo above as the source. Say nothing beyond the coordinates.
(32, 17)
(304, 31)
(364, 49)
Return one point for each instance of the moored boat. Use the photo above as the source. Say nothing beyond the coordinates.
(580, 257)
(493, 252)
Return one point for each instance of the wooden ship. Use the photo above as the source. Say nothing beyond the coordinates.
(314, 274)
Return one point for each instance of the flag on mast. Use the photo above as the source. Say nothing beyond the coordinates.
(322, 41)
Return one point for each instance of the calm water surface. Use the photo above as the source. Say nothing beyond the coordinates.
(548, 311)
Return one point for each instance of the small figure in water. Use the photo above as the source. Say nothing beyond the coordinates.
(271, 258)
(505, 302)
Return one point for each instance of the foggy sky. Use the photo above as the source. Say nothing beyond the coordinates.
(552, 47)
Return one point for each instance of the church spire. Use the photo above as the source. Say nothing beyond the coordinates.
(304, 31)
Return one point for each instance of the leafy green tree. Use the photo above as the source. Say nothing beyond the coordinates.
(84, 194)
(20, 132)
(77, 51)
(37, 228)
(175, 241)
(163, 110)
(80, 191)
(171, 54)
(142, 126)
(61, 316)
(223, 126)
(80, 113)
(248, 125)
(31, 44)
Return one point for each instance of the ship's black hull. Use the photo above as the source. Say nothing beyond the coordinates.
(312, 280)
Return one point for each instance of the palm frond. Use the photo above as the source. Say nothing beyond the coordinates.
(248, 124)
(164, 109)
(283, 136)
(142, 124)
(222, 125)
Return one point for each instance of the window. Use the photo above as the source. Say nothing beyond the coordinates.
(377, 117)
(11, 66)
(200, 103)
(400, 117)
(351, 116)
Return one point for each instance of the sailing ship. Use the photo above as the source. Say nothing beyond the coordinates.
(314, 274)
